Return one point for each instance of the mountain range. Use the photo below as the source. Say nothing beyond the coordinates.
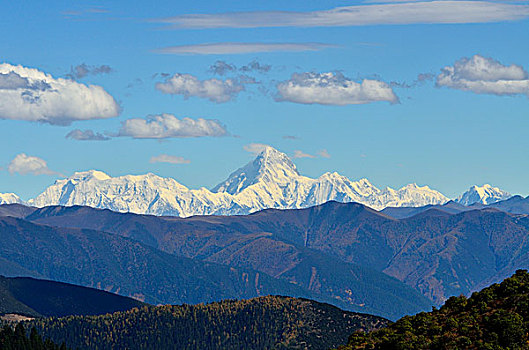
(127, 255)
(343, 253)
(271, 180)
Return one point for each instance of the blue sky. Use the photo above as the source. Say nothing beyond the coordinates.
(448, 129)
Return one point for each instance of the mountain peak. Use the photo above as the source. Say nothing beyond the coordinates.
(269, 166)
(485, 194)
(88, 175)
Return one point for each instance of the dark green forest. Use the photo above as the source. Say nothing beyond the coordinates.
(262, 323)
(495, 318)
(17, 339)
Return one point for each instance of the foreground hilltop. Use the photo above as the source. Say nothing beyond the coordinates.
(271, 322)
(495, 318)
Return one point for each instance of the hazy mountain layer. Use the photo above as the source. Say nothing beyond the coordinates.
(35, 297)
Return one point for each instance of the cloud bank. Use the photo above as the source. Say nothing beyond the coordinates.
(333, 89)
(255, 148)
(241, 48)
(168, 126)
(394, 13)
(164, 158)
(324, 153)
(24, 164)
(223, 67)
(484, 75)
(300, 154)
(187, 85)
(83, 70)
(31, 95)
(86, 135)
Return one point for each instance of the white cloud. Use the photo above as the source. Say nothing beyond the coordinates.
(24, 164)
(241, 48)
(168, 126)
(484, 75)
(301, 154)
(187, 85)
(324, 154)
(86, 135)
(333, 89)
(32, 95)
(394, 13)
(165, 158)
(255, 148)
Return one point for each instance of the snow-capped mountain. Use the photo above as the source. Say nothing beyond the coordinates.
(9, 198)
(270, 181)
(485, 194)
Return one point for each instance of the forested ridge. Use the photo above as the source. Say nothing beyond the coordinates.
(495, 318)
(17, 339)
(270, 322)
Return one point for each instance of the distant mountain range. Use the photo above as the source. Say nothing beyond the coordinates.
(269, 181)
(513, 205)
